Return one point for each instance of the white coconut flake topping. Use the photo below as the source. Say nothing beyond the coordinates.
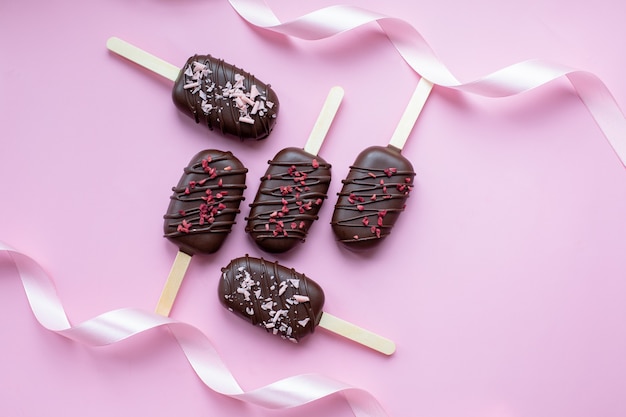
(198, 81)
(301, 298)
(276, 315)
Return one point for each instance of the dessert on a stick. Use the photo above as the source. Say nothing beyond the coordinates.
(378, 184)
(213, 92)
(293, 188)
(201, 213)
(285, 303)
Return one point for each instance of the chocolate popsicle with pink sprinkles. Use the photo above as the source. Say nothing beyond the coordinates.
(293, 188)
(378, 184)
(202, 211)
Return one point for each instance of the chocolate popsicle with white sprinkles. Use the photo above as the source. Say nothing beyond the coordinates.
(285, 303)
(212, 92)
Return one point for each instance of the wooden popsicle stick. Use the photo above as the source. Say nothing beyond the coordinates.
(411, 113)
(143, 58)
(357, 334)
(172, 285)
(324, 120)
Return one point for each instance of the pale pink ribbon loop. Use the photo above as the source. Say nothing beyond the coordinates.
(117, 325)
(509, 81)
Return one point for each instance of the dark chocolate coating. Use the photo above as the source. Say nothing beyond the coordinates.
(372, 197)
(289, 197)
(271, 296)
(210, 98)
(205, 202)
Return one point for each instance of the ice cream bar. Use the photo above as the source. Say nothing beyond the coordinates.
(379, 182)
(372, 197)
(201, 213)
(212, 92)
(285, 303)
(204, 204)
(288, 200)
(293, 188)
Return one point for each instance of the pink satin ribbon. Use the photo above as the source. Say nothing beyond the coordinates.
(117, 325)
(509, 81)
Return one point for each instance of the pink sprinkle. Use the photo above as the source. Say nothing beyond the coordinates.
(360, 207)
(371, 174)
(184, 227)
(390, 171)
(355, 237)
(315, 163)
(294, 225)
(366, 221)
(228, 168)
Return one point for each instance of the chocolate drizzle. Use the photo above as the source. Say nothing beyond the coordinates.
(372, 197)
(288, 200)
(205, 202)
(220, 95)
(271, 296)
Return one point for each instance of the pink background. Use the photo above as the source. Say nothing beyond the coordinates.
(502, 284)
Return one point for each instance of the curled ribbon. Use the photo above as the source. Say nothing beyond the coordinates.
(414, 49)
(117, 325)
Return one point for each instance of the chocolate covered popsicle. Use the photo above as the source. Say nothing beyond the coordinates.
(379, 182)
(293, 188)
(201, 213)
(213, 92)
(285, 303)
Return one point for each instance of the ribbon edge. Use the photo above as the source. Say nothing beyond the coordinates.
(189, 338)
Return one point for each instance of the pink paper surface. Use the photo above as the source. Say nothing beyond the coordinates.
(502, 284)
